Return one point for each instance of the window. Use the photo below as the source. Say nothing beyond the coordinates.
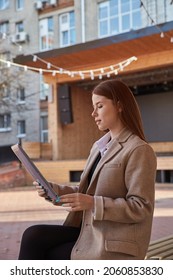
(44, 89)
(46, 33)
(19, 4)
(4, 92)
(4, 27)
(21, 129)
(21, 95)
(118, 16)
(67, 29)
(5, 122)
(44, 128)
(4, 4)
(19, 27)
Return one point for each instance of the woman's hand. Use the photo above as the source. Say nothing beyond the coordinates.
(40, 190)
(77, 201)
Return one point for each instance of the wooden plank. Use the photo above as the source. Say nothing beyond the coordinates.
(57, 171)
(161, 249)
(32, 149)
(164, 163)
(162, 147)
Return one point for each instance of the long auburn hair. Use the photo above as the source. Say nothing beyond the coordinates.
(117, 91)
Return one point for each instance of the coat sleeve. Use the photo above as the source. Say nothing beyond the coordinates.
(63, 189)
(138, 203)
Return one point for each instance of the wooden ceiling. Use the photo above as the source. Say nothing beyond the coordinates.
(152, 52)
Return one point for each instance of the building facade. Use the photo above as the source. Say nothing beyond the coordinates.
(69, 37)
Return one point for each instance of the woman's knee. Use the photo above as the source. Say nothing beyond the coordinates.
(32, 233)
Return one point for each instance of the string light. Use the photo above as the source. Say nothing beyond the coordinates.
(34, 58)
(92, 73)
(162, 35)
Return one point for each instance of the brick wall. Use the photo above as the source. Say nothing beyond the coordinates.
(12, 176)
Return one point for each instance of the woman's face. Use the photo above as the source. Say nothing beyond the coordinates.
(106, 114)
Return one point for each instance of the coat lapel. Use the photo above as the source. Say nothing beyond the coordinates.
(114, 149)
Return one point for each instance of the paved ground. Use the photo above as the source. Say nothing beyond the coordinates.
(22, 207)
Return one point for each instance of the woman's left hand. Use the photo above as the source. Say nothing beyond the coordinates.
(77, 201)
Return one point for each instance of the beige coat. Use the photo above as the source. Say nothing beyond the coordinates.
(123, 186)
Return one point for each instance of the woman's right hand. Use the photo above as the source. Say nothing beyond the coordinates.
(40, 190)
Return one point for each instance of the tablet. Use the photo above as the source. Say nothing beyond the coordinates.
(33, 171)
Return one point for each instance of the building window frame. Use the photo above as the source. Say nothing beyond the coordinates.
(118, 16)
(4, 4)
(46, 33)
(21, 95)
(67, 29)
(44, 128)
(5, 92)
(4, 27)
(19, 5)
(19, 26)
(5, 122)
(21, 128)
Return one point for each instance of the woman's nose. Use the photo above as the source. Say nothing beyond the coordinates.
(93, 113)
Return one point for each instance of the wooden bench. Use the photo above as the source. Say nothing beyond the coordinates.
(161, 249)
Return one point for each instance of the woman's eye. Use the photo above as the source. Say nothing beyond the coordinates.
(100, 106)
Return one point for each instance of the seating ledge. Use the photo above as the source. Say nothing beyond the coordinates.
(161, 249)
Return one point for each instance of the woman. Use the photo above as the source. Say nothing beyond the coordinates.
(112, 209)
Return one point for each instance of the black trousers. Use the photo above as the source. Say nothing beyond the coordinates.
(48, 242)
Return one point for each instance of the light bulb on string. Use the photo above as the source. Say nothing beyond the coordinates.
(34, 58)
(116, 72)
(48, 65)
(41, 71)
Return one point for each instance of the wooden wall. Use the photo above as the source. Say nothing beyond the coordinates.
(57, 171)
(76, 139)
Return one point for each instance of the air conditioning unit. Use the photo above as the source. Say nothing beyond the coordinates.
(38, 5)
(19, 37)
(53, 2)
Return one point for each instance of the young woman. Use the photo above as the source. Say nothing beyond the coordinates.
(111, 210)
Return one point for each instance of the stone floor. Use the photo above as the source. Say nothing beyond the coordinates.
(22, 207)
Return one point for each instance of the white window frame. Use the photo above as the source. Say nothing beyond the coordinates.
(43, 131)
(66, 27)
(21, 95)
(44, 89)
(46, 32)
(4, 27)
(21, 128)
(5, 92)
(6, 123)
(4, 4)
(19, 5)
(19, 26)
(119, 17)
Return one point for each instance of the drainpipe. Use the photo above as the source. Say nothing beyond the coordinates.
(83, 20)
